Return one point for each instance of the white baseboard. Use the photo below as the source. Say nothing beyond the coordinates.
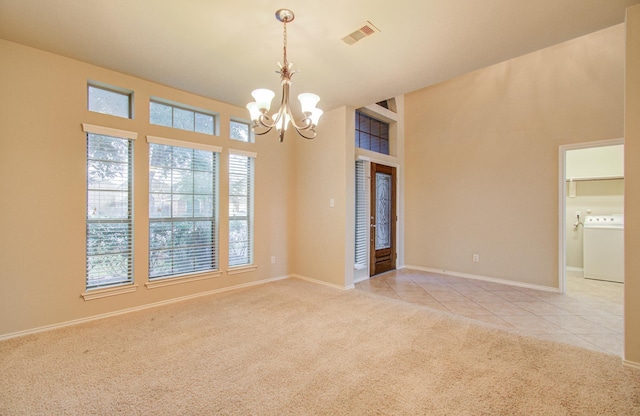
(631, 364)
(575, 269)
(138, 308)
(484, 278)
(322, 282)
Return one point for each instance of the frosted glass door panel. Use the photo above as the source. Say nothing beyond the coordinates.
(383, 210)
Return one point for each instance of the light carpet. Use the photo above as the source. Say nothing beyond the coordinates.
(293, 347)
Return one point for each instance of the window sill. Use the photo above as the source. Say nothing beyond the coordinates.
(110, 291)
(170, 281)
(241, 269)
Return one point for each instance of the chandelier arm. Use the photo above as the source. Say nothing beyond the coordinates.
(265, 121)
(264, 132)
(313, 136)
(306, 126)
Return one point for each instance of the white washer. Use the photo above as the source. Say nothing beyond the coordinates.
(603, 247)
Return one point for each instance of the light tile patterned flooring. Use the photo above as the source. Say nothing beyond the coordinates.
(588, 315)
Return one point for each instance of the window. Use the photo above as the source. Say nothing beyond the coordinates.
(183, 232)
(372, 134)
(240, 131)
(362, 217)
(177, 117)
(109, 221)
(109, 101)
(241, 175)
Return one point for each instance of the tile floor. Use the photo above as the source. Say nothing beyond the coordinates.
(589, 315)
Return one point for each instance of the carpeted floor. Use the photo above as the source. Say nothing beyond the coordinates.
(293, 347)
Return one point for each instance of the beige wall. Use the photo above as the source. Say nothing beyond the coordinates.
(42, 215)
(322, 169)
(482, 156)
(632, 189)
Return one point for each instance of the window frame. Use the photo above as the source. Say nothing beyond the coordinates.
(250, 134)
(113, 90)
(249, 217)
(184, 107)
(172, 278)
(113, 287)
(358, 132)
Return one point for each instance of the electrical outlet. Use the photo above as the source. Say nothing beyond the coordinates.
(476, 258)
(273, 259)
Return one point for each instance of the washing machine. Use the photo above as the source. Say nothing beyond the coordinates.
(603, 247)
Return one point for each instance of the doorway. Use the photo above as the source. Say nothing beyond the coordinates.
(591, 185)
(383, 218)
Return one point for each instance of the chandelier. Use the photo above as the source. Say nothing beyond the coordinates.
(263, 123)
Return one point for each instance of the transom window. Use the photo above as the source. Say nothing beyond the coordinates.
(170, 115)
(182, 209)
(240, 131)
(109, 101)
(372, 134)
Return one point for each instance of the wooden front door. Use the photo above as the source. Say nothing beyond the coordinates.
(383, 219)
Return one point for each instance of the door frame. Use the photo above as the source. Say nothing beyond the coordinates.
(363, 274)
(562, 196)
(393, 172)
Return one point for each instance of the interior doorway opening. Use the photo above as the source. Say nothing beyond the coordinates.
(591, 195)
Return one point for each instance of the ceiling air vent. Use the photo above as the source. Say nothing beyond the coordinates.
(366, 29)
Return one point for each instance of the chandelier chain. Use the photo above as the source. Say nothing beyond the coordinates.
(286, 62)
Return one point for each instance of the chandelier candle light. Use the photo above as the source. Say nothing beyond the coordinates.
(262, 122)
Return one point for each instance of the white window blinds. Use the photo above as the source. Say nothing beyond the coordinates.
(241, 178)
(362, 220)
(183, 231)
(109, 219)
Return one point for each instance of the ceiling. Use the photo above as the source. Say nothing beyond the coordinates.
(225, 49)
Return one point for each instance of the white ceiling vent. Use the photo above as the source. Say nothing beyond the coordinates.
(366, 29)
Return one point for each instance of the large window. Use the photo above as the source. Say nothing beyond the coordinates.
(372, 134)
(241, 171)
(109, 221)
(182, 208)
(170, 115)
(109, 101)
